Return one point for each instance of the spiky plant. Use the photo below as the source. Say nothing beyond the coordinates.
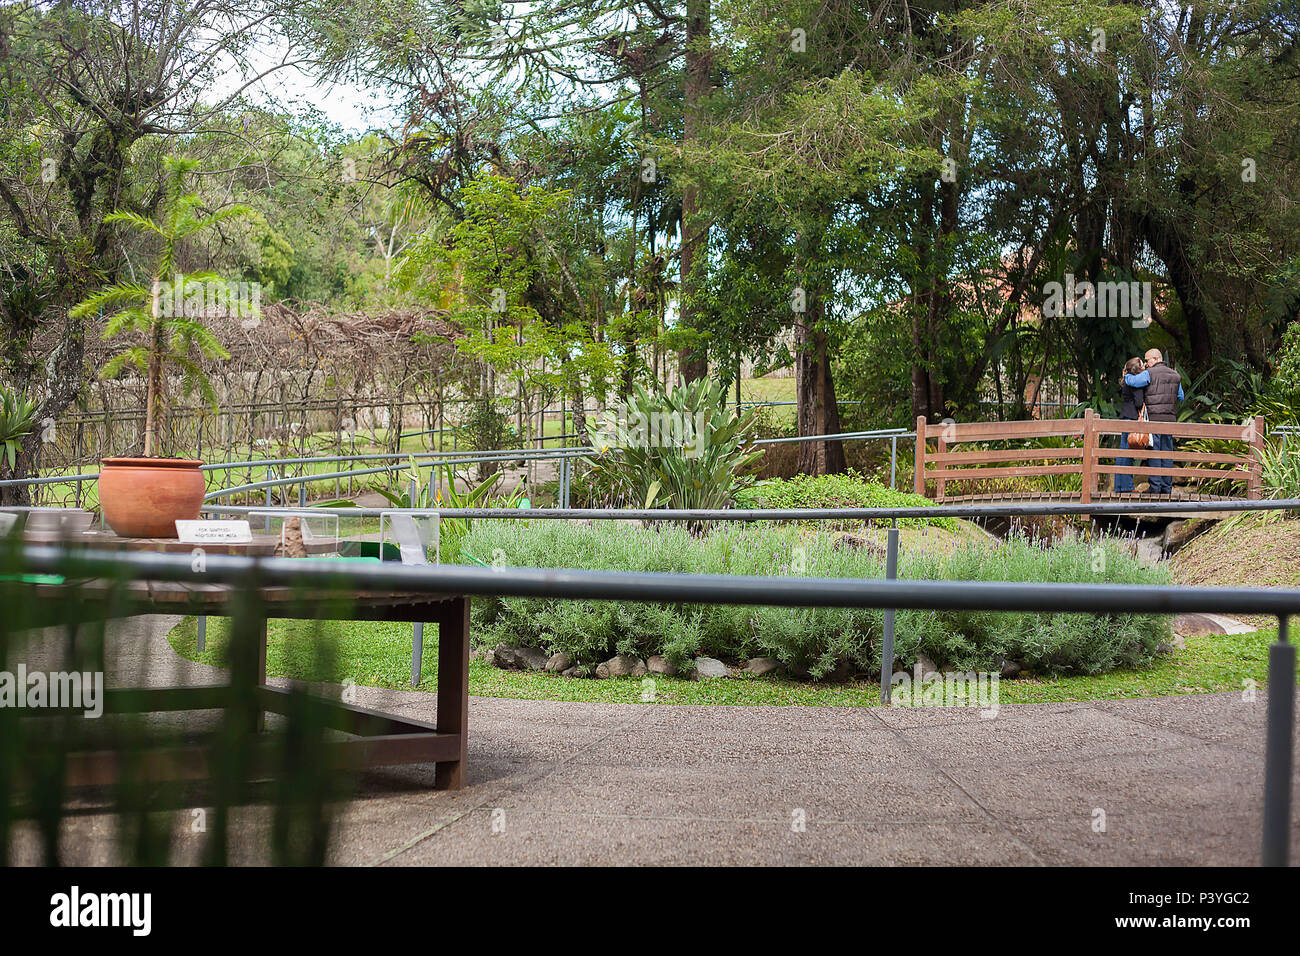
(160, 339)
(683, 448)
(17, 421)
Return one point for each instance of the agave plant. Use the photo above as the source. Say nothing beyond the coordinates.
(684, 448)
(17, 421)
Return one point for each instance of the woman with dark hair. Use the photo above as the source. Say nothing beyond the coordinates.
(1133, 400)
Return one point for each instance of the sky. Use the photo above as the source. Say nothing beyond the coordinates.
(354, 108)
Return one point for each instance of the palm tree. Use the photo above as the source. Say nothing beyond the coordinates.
(161, 337)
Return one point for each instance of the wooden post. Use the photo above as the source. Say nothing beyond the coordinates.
(1089, 456)
(919, 482)
(453, 689)
(1255, 483)
(941, 447)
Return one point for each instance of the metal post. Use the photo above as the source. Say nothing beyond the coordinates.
(270, 476)
(203, 634)
(417, 629)
(887, 645)
(1277, 749)
(893, 463)
(302, 494)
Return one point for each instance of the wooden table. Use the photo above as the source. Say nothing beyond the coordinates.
(382, 739)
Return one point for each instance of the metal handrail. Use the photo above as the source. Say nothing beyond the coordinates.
(645, 586)
(1120, 508)
(433, 459)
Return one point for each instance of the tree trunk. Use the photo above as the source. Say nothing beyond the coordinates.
(817, 412)
(153, 389)
(693, 363)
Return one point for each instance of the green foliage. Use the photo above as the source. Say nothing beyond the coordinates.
(683, 448)
(1286, 375)
(814, 638)
(1281, 473)
(850, 490)
(17, 420)
(162, 338)
(487, 428)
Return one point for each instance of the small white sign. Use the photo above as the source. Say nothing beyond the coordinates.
(212, 532)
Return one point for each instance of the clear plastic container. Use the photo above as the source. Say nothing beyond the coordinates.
(413, 535)
(301, 534)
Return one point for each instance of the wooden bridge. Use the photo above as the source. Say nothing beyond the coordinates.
(1089, 458)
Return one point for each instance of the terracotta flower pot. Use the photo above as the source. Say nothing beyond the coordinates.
(143, 497)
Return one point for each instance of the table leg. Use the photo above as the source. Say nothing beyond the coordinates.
(417, 652)
(453, 688)
(260, 725)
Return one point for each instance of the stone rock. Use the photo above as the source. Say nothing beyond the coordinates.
(710, 667)
(661, 665)
(846, 541)
(571, 672)
(927, 666)
(1149, 551)
(291, 541)
(559, 662)
(1200, 625)
(519, 658)
(1011, 668)
(622, 665)
(842, 672)
(1176, 644)
(1178, 533)
(758, 666)
(534, 658)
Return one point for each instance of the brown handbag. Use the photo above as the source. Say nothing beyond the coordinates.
(1140, 439)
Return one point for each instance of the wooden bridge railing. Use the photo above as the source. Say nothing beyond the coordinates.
(1089, 459)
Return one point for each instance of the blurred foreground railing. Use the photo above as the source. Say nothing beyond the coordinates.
(775, 591)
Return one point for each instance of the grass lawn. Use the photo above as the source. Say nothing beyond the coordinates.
(379, 655)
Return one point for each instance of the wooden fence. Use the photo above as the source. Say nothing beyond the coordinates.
(1090, 458)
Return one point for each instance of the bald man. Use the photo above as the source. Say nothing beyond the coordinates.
(1164, 391)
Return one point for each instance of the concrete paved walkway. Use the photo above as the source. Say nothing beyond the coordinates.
(1162, 782)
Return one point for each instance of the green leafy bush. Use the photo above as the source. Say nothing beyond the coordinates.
(684, 448)
(17, 420)
(815, 639)
(850, 490)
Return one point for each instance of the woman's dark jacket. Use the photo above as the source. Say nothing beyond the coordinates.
(1134, 399)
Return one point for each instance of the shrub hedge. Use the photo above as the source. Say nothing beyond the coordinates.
(849, 490)
(814, 639)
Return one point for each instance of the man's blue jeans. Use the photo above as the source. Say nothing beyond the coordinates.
(1162, 485)
(1123, 483)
